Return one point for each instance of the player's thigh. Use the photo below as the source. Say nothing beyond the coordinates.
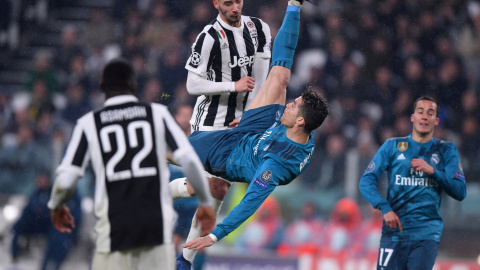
(274, 90)
(422, 255)
(392, 256)
(157, 257)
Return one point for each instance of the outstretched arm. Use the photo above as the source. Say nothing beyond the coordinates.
(258, 190)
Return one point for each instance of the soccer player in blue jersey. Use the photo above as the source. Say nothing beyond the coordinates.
(266, 150)
(419, 168)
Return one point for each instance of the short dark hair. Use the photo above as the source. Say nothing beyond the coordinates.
(119, 75)
(314, 109)
(426, 98)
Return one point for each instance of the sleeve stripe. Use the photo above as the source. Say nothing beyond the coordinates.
(170, 140)
(82, 147)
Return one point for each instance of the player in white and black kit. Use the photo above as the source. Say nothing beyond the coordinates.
(229, 59)
(126, 142)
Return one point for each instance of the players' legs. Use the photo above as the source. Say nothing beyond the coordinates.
(218, 188)
(392, 255)
(274, 89)
(422, 255)
(182, 188)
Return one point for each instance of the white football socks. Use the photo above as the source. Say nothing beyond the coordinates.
(189, 254)
(178, 188)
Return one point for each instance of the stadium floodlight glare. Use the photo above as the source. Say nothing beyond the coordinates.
(10, 212)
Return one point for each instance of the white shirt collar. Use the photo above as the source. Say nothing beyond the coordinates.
(120, 100)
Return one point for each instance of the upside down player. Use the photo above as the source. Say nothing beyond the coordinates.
(419, 168)
(267, 148)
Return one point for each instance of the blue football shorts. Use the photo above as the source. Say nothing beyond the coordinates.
(407, 255)
(214, 147)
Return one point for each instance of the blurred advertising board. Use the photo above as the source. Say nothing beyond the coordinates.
(242, 262)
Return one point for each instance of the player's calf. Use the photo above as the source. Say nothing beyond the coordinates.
(218, 187)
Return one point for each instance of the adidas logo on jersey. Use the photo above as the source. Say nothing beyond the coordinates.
(224, 46)
(401, 157)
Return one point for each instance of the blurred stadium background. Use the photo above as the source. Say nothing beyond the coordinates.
(370, 58)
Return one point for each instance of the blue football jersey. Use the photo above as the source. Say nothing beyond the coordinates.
(265, 161)
(413, 195)
(273, 144)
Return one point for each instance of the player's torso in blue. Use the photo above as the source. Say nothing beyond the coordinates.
(273, 143)
(413, 196)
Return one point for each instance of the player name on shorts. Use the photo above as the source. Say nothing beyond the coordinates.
(123, 114)
(414, 181)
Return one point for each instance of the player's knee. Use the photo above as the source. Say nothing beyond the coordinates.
(218, 188)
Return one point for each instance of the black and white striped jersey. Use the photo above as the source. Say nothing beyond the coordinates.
(126, 143)
(222, 53)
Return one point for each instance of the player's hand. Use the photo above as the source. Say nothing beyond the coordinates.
(234, 123)
(205, 218)
(245, 84)
(419, 164)
(62, 219)
(199, 243)
(392, 220)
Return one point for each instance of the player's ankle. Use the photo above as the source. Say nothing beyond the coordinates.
(178, 189)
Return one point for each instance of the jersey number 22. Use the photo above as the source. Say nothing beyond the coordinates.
(135, 170)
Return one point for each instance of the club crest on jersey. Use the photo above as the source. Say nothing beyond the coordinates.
(266, 176)
(260, 183)
(435, 159)
(402, 146)
(370, 167)
(195, 59)
(250, 24)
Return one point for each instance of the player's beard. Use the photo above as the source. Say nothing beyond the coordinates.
(231, 20)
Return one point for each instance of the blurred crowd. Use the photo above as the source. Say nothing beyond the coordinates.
(371, 59)
(345, 234)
